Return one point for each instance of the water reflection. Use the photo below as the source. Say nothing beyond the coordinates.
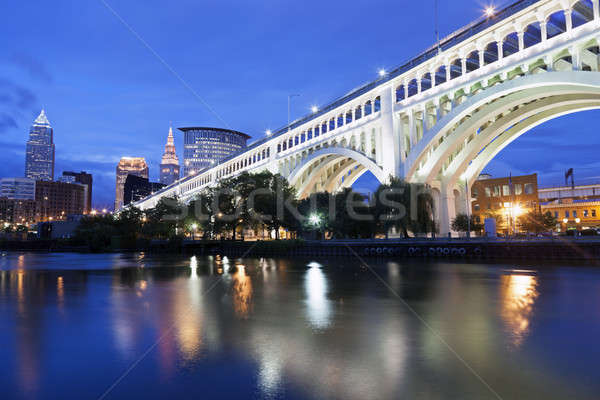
(273, 328)
(519, 293)
(242, 292)
(318, 306)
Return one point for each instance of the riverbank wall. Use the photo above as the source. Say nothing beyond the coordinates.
(537, 249)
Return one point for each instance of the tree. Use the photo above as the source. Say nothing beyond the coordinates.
(537, 222)
(461, 223)
(404, 206)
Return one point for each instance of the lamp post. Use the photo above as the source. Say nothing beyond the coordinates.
(290, 107)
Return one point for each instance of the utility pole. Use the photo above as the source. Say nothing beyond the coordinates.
(290, 108)
(436, 22)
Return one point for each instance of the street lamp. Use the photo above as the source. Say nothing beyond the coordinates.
(314, 219)
(382, 72)
(268, 132)
(314, 109)
(489, 11)
(565, 220)
(290, 107)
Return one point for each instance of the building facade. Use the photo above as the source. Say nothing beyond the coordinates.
(83, 178)
(128, 166)
(17, 188)
(39, 157)
(137, 187)
(169, 166)
(574, 207)
(17, 211)
(57, 200)
(504, 199)
(205, 147)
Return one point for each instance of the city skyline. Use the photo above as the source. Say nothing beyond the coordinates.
(93, 135)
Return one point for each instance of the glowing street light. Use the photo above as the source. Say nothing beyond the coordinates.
(314, 109)
(314, 219)
(268, 132)
(93, 212)
(104, 211)
(382, 72)
(577, 220)
(565, 220)
(490, 11)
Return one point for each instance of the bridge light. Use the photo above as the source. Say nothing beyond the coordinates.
(314, 219)
(268, 132)
(382, 72)
(490, 11)
(314, 109)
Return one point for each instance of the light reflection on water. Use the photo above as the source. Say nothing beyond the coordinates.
(519, 293)
(289, 328)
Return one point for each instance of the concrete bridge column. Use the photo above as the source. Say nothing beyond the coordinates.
(569, 20)
(544, 30)
(596, 8)
(447, 210)
(463, 65)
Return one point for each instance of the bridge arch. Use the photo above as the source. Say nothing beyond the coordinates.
(311, 168)
(470, 136)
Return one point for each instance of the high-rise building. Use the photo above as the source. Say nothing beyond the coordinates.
(57, 200)
(17, 188)
(137, 188)
(169, 166)
(84, 179)
(39, 158)
(204, 147)
(128, 166)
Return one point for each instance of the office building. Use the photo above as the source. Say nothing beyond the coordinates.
(17, 188)
(17, 211)
(57, 200)
(84, 179)
(136, 188)
(39, 157)
(205, 147)
(169, 166)
(128, 166)
(504, 199)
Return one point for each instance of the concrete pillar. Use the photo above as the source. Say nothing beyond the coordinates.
(463, 64)
(448, 73)
(419, 85)
(406, 89)
(432, 75)
(481, 57)
(544, 29)
(576, 58)
(500, 45)
(596, 8)
(412, 126)
(521, 36)
(569, 20)
(548, 61)
(447, 210)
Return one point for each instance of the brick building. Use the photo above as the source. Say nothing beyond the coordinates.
(57, 200)
(504, 198)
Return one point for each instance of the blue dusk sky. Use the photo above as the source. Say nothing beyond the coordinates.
(108, 94)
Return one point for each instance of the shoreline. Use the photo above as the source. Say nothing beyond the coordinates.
(587, 249)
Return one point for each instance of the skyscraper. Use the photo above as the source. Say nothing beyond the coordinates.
(169, 166)
(128, 166)
(204, 147)
(39, 158)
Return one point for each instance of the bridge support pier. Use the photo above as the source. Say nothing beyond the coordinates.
(447, 209)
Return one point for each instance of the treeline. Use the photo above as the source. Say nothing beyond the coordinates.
(265, 204)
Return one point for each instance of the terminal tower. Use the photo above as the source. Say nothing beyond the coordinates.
(169, 166)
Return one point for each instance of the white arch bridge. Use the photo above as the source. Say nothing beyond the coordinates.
(442, 116)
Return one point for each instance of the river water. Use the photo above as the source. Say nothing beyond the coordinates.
(114, 326)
